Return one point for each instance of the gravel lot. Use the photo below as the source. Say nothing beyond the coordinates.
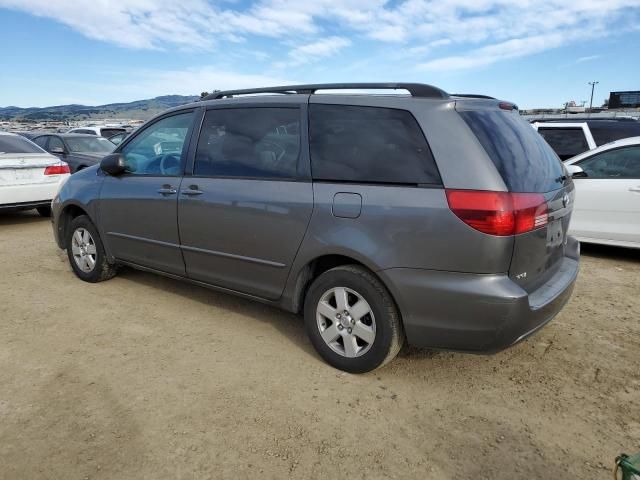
(146, 377)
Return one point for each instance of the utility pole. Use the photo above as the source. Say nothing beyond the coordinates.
(593, 85)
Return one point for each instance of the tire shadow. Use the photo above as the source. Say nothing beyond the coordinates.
(290, 325)
(20, 217)
(610, 252)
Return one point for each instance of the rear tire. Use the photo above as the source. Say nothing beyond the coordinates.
(352, 320)
(44, 211)
(86, 252)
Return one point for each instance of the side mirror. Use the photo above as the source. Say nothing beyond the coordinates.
(575, 171)
(57, 151)
(113, 164)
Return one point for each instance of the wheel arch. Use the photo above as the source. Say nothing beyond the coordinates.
(68, 213)
(315, 267)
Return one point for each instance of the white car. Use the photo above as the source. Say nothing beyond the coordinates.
(572, 137)
(104, 131)
(29, 176)
(607, 205)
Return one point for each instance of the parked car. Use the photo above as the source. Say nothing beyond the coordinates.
(105, 132)
(607, 181)
(378, 217)
(570, 138)
(78, 150)
(118, 138)
(31, 134)
(29, 176)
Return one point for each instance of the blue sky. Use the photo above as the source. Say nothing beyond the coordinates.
(535, 53)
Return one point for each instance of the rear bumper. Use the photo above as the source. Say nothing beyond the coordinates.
(477, 313)
(21, 196)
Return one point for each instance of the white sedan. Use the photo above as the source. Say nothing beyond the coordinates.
(607, 205)
(29, 176)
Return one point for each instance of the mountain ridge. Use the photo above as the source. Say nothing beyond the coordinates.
(135, 110)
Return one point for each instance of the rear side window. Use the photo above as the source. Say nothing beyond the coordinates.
(614, 130)
(566, 142)
(41, 141)
(369, 145)
(17, 144)
(249, 143)
(525, 161)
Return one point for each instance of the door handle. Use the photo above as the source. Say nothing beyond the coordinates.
(636, 189)
(167, 191)
(192, 190)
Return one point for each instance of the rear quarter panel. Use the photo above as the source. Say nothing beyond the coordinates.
(400, 226)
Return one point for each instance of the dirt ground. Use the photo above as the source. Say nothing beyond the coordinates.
(146, 377)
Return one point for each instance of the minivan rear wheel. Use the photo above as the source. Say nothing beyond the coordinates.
(86, 252)
(352, 320)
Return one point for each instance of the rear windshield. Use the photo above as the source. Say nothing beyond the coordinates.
(16, 144)
(90, 144)
(110, 132)
(525, 161)
(606, 132)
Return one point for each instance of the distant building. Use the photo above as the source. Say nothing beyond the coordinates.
(629, 99)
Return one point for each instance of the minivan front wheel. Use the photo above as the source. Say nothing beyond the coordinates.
(86, 253)
(352, 320)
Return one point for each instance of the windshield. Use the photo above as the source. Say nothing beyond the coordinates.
(16, 144)
(90, 144)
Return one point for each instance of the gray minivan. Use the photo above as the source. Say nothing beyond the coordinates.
(440, 219)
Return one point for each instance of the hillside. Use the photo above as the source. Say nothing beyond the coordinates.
(137, 110)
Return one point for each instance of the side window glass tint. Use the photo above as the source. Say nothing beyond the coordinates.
(566, 142)
(249, 142)
(159, 148)
(619, 163)
(369, 145)
(609, 131)
(41, 142)
(55, 142)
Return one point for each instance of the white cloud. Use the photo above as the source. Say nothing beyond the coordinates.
(587, 59)
(484, 31)
(313, 51)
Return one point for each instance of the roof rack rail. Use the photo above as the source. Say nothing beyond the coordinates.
(420, 90)
(472, 95)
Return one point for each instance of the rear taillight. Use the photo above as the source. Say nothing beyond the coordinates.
(499, 213)
(59, 169)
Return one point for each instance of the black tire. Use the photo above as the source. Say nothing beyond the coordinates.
(389, 334)
(102, 269)
(44, 211)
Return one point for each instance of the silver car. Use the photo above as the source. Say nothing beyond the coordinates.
(432, 218)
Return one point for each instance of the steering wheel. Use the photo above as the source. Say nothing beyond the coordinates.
(164, 168)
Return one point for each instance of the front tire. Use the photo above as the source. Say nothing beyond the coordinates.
(352, 320)
(86, 252)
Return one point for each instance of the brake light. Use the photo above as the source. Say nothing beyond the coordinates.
(499, 213)
(507, 106)
(59, 169)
